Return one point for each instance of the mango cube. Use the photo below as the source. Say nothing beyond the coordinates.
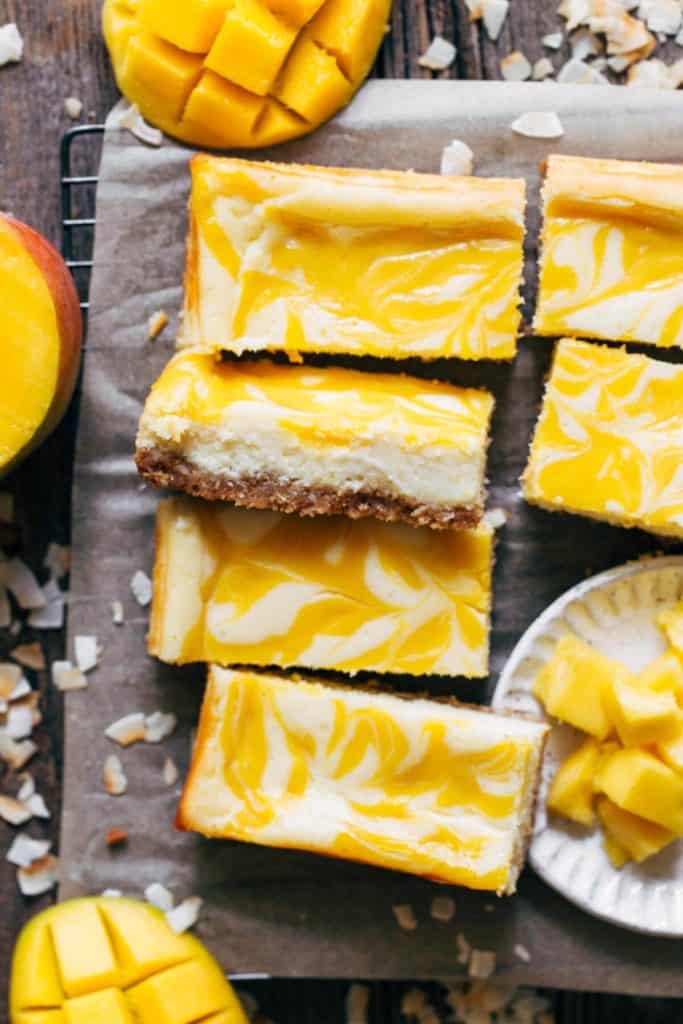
(637, 781)
(154, 70)
(224, 106)
(664, 675)
(671, 622)
(115, 961)
(311, 83)
(296, 12)
(189, 24)
(670, 750)
(638, 838)
(641, 714)
(346, 29)
(574, 683)
(571, 793)
(617, 854)
(251, 47)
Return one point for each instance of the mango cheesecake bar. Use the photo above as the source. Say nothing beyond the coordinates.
(237, 586)
(431, 788)
(314, 441)
(303, 259)
(612, 251)
(609, 440)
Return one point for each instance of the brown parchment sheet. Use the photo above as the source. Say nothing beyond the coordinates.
(280, 912)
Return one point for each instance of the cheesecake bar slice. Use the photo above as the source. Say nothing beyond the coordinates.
(237, 586)
(314, 441)
(428, 787)
(609, 440)
(301, 259)
(612, 251)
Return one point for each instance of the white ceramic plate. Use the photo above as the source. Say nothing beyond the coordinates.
(615, 612)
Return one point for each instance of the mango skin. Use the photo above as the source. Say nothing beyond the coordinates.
(139, 970)
(263, 73)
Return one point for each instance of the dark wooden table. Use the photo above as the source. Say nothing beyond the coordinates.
(64, 57)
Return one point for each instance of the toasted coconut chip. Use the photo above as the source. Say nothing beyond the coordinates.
(37, 806)
(5, 610)
(111, 894)
(442, 909)
(25, 851)
(528, 1006)
(575, 72)
(542, 68)
(474, 8)
(10, 677)
(6, 507)
(185, 915)
(159, 896)
(13, 811)
(21, 582)
(73, 107)
(585, 44)
(127, 730)
(39, 877)
(52, 615)
(115, 781)
(494, 13)
(29, 655)
(522, 953)
(11, 44)
(538, 124)
(159, 725)
(87, 652)
(117, 613)
(624, 32)
(27, 787)
(463, 948)
(67, 677)
(116, 837)
(661, 15)
(482, 963)
(170, 772)
(19, 723)
(515, 67)
(575, 11)
(16, 755)
(57, 559)
(553, 41)
(457, 158)
(439, 55)
(415, 1006)
(356, 1004)
(141, 585)
(156, 324)
(405, 916)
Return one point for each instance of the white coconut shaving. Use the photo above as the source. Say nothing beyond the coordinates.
(11, 44)
(51, 616)
(115, 781)
(141, 586)
(21, 582)
(515, 67)
(457, 158)
(39, 877)
(661, 15)
(86, 652)
(127, 730)
(538, 124)
(553, 41)
(67, 677)
(126, 116)
(25, 851)
(185, 915)
(19, 722)
(57, 559)
(442, 909)
(357, 1003)
(584, 44)
(13, 811)
(494, 13)
(73, 107)
(27, 787)
(111, 894)
(522, 953)
(577, 72)
(117, 613)
(159, 725)
(16, 755)
(542, 68)
(37, 806)
(159, 896)
(170, 772)
(439, 55)
(405, 916)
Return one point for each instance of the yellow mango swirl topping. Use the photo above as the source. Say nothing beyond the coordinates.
(382, 263)
(609, 442)
(419, 786)
(234, 586)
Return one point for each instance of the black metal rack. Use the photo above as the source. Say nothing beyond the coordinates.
(79, 155)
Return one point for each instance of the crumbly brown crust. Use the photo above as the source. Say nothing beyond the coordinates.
(166, 469)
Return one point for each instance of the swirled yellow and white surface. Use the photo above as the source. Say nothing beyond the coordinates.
(609, 441)
(336, 428)
(415, 785)
(383, 263)
(612, 251)
(235, 586)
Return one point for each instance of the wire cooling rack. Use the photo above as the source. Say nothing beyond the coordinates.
(298, 1001)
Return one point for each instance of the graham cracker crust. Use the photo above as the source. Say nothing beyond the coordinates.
(166, 469)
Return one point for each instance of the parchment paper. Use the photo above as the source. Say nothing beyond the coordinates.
(279, 912)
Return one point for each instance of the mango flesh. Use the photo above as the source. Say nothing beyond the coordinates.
(571, 792)
(664, 675)
(40, 339)
(640, 713)
(637, 781)
(574, 683)
(241, 73)
(115, 961)
(636, 837)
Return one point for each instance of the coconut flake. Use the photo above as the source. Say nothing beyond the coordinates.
(474, 9)
(22, 583)
(576, 72)
(356, 1004)
(542, 68)
(538, 124)
(27, 787)
(159, 896)
(115, 781)
(52, 615)
(457, 158)
(11, 677)
(126, 116)
(111, 894)
(575, 12)
(11, 44)
(553, 41)
(482, 963)
(463, 948)
(13, 811)
(117, 613)
(29, 655)
(156, 324)
(494, 13)
(67, 677)
(439, 55)
(57, 559)
(170, 772)
(443, 909)
(127, 730)
(25, 851)
(618, 63)
(496, 517)
(185, 915)
(40, 877)
(584, 44)
(37, 806)
(522, 953)
(405, 916)
(16, 755)
(159, 726)
(661, 15)
(19, 722)
(73, 107)
(141, 585)
(515, 67)
(652, 74)
(87, 652)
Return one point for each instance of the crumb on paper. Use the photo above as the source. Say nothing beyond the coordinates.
(515, 67)
(86, 652)
(30, 656)
(156, 324)
(116, 837)
(357, 1003)
(457, 158)
(442, 909)
(159, 896)
(185, 915)
(117, 613)
(405, 916)
(115, 781)
(68, 677)
(141, 586)
(73, 107)
(482, 963)
(439, 55)
(127, 730)
(538, 124)
(11, 44)
(170, 772)
(39, 877)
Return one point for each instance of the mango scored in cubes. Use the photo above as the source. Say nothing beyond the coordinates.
(241, 73)
(573, 685)
(571, 792)
(115, 961)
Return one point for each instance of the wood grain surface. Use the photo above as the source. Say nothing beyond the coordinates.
(64, 57)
